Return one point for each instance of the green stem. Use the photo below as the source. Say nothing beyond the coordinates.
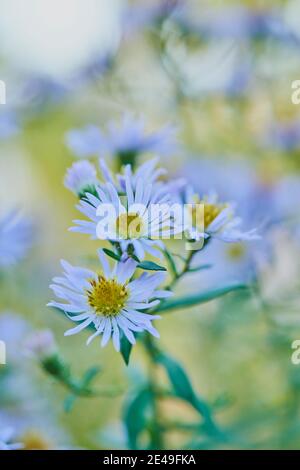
(156, 429)
(178, 275)
(57, 368)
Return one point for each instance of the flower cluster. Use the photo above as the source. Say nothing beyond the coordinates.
(135, 210)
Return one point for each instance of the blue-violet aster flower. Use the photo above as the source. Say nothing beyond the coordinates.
(126, 140)
(110, 301)
(218, 219)
(141, 221)
(81, 177)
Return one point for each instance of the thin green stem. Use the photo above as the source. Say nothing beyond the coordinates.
(178, 275)
(156, 429)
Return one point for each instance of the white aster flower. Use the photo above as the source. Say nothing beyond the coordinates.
(216, 219)
(81, 177)
(139, 221)
(129, 138)
(148, 171)
(110, 302)
(6, 440)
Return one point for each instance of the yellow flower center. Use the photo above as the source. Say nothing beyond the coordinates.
(129, 225)
(204, 213)
(106, 296)
(235, 251)
(211, 212)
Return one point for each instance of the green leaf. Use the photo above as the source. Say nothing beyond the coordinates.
(125, 349)
(150, 266)
(196, 299)
(183, 388)
(69, 403)
(89, 376)
(199, 268)
(111, 254)
(178, 378)
(136, 414)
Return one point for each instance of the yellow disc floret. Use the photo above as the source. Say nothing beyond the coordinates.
(211, 212)
(203, 213)
(106, 296)
(129, 225)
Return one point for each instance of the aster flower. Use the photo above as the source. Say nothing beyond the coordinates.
(6, 440)
(147, 171)
(125, 140)
(135, 223)
(81, 177)
(85, 142)
(129, 138)
(218, 220)
(111, 302)
(15, 238)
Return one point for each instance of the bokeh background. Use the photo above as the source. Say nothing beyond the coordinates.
(221, 72)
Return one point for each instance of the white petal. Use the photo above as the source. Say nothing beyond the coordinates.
(163, 294)
(79, 328)
(139, 250)
(143, 306)
(104, 263)
(97, 333)
(116, 335)
(66, 307)
(107, 332)
(125, 270)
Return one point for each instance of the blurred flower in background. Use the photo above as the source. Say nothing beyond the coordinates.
(204, 87)
(125, 140)
(16, 237)
(8, 125)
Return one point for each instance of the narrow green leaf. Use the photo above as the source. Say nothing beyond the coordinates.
(196, 299)
(69, 403)
(150, 266)
(125, 349)
(136, 414)
(183, 388)
(111, 254)
(178, 378)
(89, 376)
(171, 262)
(199, 268)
